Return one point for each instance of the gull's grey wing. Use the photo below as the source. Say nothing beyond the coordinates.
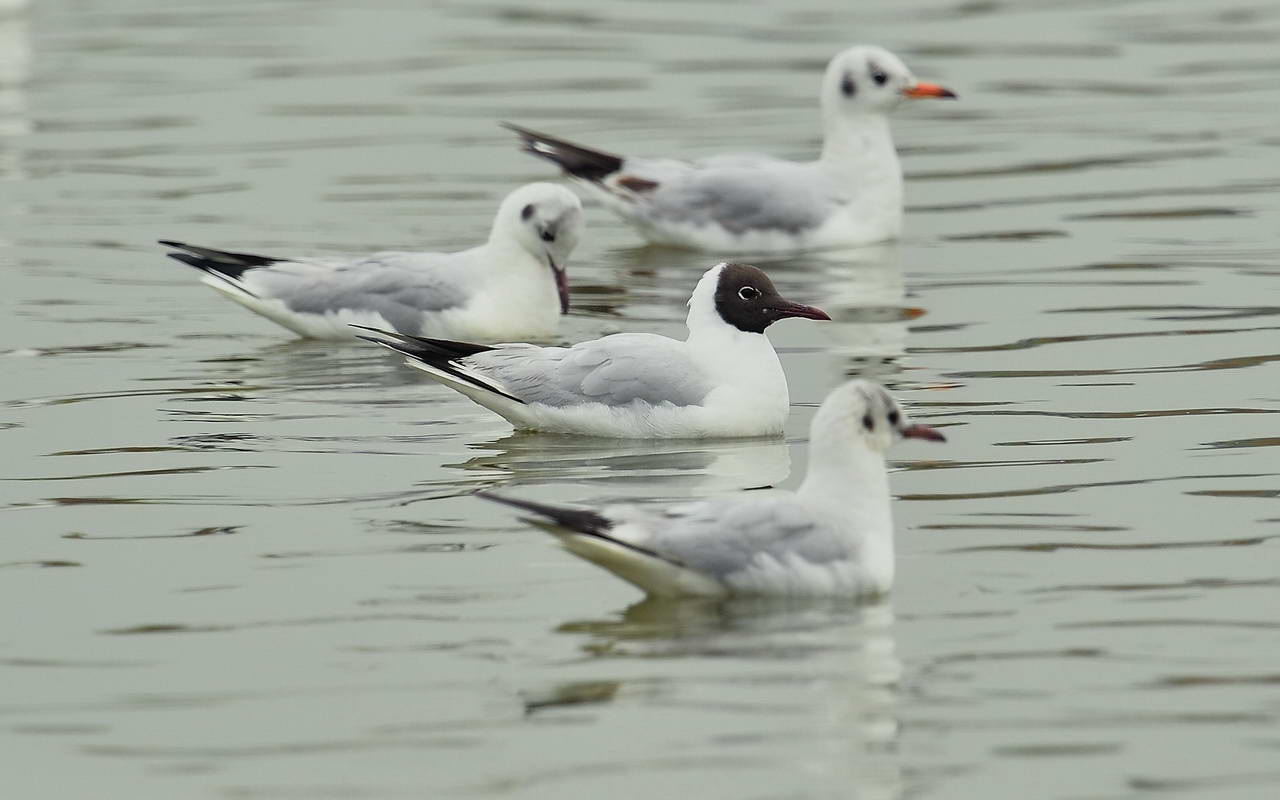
(739, 193)
(616, 370)
(401, 287)
(725, 536)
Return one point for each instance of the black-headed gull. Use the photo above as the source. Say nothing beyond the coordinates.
(511, 287)
(832, 536)
(851, 195)
(723, 380)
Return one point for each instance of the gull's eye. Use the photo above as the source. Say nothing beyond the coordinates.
(547, 236)
(526, 212)
(894, 418)
(879, 77)
(868, 422)
(748, 293)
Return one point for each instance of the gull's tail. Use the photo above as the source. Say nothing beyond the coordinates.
(590, 536)
(570, 520)
(442, 360)
(574, 159)
(221, 263)
(223, 270)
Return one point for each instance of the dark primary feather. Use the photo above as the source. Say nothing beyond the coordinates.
(438, 353)
(223, 262)
(578, 161)
(576, 520)
(420, 346)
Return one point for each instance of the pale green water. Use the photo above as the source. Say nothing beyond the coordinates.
(236, 566)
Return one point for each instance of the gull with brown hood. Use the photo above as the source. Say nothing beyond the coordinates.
(723, 380)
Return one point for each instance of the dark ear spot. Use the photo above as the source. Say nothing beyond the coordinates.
(868, 423)
(847, 86)
(526, 212)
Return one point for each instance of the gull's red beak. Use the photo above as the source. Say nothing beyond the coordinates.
(922, 432)
(789, 309)
(562, 286)
(928, 90)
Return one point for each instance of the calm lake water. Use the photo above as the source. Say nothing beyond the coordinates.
(234, 565)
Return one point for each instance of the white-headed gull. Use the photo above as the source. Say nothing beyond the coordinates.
(513, 286)
(851, 195)
(723, 380)
(832, 536)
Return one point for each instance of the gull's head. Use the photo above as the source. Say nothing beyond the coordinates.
(866, 79)
(742, 296)
(863, 411)
(546, 220)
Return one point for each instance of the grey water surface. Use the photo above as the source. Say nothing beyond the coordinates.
(236, 565)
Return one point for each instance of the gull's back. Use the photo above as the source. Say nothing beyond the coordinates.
(618, 370)
(765, 543)
(404, 289)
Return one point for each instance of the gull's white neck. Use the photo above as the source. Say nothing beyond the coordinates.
(860, 147)
(504, 256)
(858, 153)
(849, 482)
(513, 292)
(856, 138)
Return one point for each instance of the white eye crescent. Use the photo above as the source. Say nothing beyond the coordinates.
(748, 293)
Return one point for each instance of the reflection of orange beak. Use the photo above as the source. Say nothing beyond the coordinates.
(928, 90)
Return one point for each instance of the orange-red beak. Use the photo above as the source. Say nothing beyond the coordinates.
(928, 90)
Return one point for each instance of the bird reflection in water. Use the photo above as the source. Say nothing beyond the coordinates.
(687, 465)
(826, 674)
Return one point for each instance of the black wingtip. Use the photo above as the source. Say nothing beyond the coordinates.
(573, 520)
(577, 160)
(578, 520)
(529, 133)
(402, 349)
(222, 262)
(424, 341)
(440, 354)
(387, 339)
(527, 136)
(394, 342)
(379, 331)
(205, 266)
